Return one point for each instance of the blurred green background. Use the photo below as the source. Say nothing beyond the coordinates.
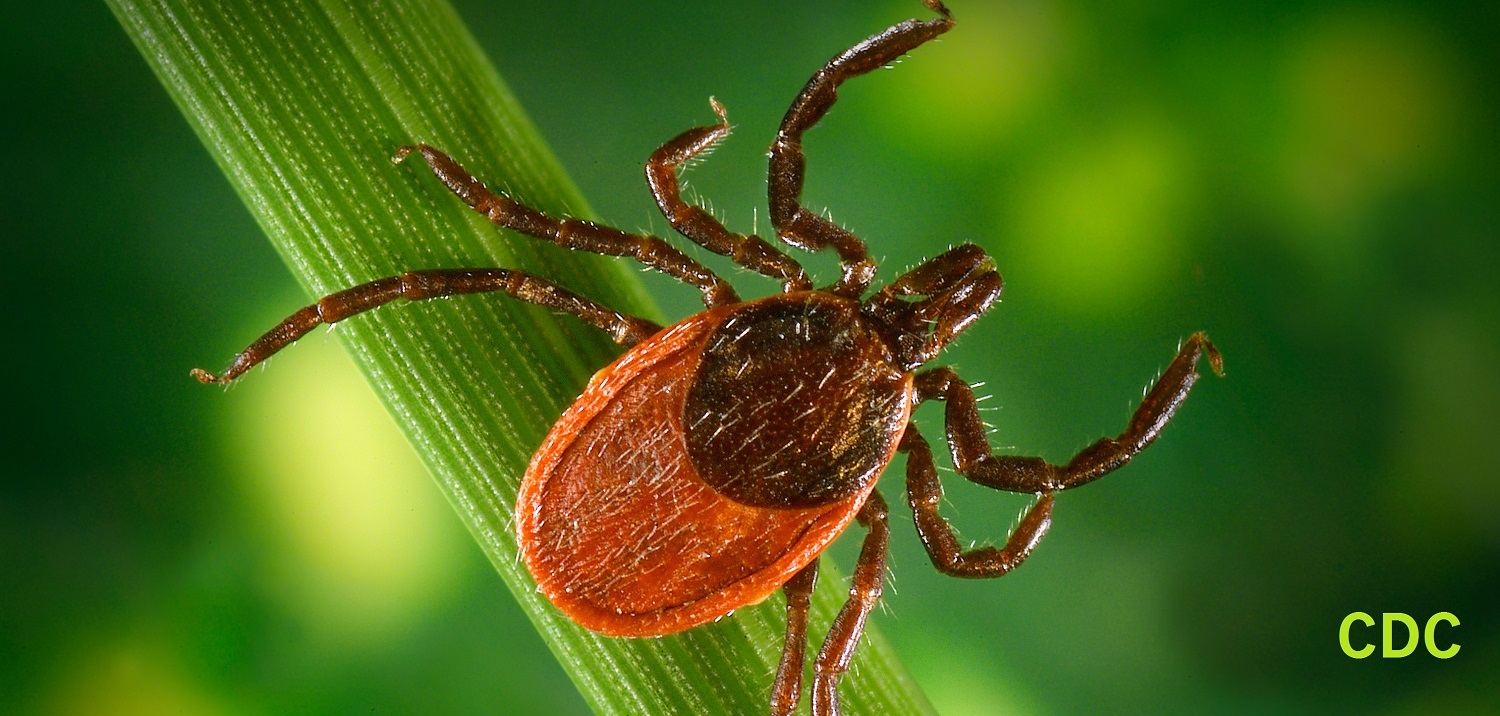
(1314, 184)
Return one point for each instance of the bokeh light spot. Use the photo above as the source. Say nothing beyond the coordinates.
(1099, 225)
(963, 688)
(130, 679)
(1374, 104)
(366, 542)
(984, 81)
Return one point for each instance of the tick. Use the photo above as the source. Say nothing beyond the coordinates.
(712, 463)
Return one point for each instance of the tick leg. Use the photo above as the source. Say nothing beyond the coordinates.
(925, 492)
(692, 221)
(652, 251)
(787, 690)
(955, 287)
(974, 460)
(794, 223)
(864, 592)
(434, 283)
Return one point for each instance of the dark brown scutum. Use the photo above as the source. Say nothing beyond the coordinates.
(630, 525)
(712, 463)
(794, 403)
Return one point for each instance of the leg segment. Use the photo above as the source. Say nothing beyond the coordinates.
(435, 283)
(974, 460)
(794, 223)
(925, 493)
(956, 288)
(864, 593)
(574, 233)
(787, 690)
(691, 221)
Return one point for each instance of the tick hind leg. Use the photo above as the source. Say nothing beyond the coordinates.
(787, 689)
(652, 251)
(973, 458)
(435, 283)
(924, 491)
(795, 224)
(843, 636)
(692, 221)
(864, 592)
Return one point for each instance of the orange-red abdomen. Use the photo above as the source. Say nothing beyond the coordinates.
(698, 472)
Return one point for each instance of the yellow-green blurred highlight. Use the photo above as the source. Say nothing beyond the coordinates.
(975, 86)
(132, 678)
(1099, 224)
(974, 690)
(1314, 184)
(1095, 224)
(366, 541)
(1096, 220)
(1373, 106)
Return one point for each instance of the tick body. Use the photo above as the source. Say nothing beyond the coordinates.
(712, 463)
(708, 465)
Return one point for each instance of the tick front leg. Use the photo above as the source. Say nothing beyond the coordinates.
(434, 283)
(501, 210)
(787, 690)
(864, 593)
(795, 223)
(692, 221)
(973, 458)
(925, 493)
(955, 288)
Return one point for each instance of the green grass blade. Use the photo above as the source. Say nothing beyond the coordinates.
(302, 104)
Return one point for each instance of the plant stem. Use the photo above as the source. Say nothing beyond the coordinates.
(302, 104)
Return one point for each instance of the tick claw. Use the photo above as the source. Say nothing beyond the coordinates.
(719, 110)
(1215, 360)
(753, 430)
(938, 7)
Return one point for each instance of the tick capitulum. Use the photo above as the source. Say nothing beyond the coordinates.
(713, 462)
